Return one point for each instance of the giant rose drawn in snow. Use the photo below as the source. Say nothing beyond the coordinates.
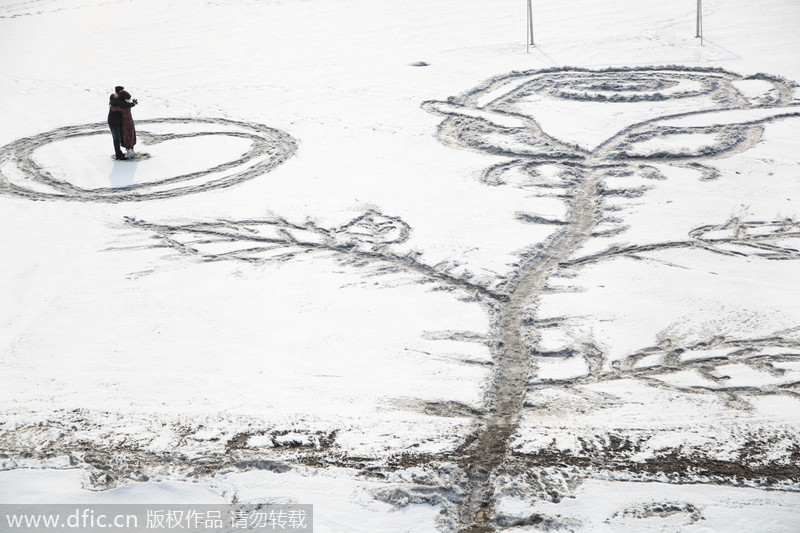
(546, 122)
(565, 134)
(22, 174)
(562, 144)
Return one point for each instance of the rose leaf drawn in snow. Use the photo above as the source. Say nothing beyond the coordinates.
(364, 241)
(720, 366)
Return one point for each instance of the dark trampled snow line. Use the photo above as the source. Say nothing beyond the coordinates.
(506, 394)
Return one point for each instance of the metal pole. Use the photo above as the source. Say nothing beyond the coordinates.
(530, 23)
(700, 20)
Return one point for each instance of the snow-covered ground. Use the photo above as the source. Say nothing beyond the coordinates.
(384, 259)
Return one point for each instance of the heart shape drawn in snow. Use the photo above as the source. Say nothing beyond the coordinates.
(254, 149)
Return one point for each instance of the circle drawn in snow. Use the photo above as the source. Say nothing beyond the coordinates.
(21, 175)
(631, 86)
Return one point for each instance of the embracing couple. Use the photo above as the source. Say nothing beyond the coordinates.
(121, 122)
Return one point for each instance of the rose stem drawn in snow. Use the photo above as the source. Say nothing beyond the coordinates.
(493, 119)
(21, 176)
(486, 119)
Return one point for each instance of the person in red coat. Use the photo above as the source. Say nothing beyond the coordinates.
(122, 107)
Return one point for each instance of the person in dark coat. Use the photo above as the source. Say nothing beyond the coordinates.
(117, 107)
(128, 130)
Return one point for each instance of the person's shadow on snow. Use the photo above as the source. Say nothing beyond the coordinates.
(122, 174)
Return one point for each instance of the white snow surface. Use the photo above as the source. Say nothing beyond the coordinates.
(107, 329)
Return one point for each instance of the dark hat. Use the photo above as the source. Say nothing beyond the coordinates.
(118, 88)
